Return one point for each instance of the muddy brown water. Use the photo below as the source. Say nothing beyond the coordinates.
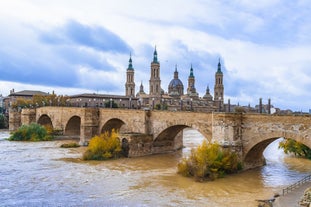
(43, 174)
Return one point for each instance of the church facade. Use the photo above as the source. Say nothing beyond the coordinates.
(176, 98)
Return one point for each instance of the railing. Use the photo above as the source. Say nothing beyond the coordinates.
(297, 184)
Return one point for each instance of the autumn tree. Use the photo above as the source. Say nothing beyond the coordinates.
(103, 147)
(208, 162)
(297, 148)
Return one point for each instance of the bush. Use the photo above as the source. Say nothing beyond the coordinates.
(3, 121)
(32, 132)
(103, 147)
(208, 162)
(70, 145)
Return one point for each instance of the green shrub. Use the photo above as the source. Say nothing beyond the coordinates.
(32, 132)
(70, 145)
(103, 147)
(3, 121)
(208, 162)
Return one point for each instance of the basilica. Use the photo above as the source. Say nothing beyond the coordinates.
(175, 98)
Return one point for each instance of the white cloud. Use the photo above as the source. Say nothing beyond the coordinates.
(264, 51)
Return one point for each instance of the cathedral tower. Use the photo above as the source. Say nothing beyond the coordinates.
(155, 81)
(130, 84)
(219, 87)
(191, 91)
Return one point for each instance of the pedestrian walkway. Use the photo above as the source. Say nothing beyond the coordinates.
(292, 198)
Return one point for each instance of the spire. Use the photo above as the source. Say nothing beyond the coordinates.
(191, 72)
(130, 63)
(155, 55)
(176, 72)
(219, 67)
(141, 88)
(207, 89)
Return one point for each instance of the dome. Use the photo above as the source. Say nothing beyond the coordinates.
(175, 82)
(176, 87)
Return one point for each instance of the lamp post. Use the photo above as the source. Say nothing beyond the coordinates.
(110, 102)
(181, 104)
(104, 103)
(120, 103)
(152, 103)
(130, 102)
(191, 104)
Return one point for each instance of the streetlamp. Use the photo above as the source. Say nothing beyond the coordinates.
(191, 104)
(120, 103)
(181, 104)
(130, 103)
(104, 102)
(152, 103)
(110, 102)
(162, 103)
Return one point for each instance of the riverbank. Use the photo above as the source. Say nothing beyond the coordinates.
(292, 199)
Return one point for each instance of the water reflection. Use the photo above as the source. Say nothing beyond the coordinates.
(42, 174)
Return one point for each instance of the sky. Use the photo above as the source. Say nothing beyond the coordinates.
(75, 46)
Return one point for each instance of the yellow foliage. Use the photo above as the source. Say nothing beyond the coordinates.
(208, 161)
(104, 146)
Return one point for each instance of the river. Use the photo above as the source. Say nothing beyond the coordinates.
(43, 174)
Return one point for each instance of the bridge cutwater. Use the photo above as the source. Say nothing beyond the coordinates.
(146, 132)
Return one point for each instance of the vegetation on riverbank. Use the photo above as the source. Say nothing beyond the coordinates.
(70, 145)
(103, 147)
(209, 161)
(306, 198)
(3, 121)
(31, 132)
(297, 148)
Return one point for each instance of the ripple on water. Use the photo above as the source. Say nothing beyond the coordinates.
(42, 174)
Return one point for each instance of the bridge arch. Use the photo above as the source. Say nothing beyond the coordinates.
(73, 126)
(45, 120)
(254, 156)
(113, 123)
(171, 138)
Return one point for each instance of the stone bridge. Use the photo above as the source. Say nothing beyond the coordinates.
(151, 132)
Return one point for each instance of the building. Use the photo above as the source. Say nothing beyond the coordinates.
(104, 101)
(25, 94)
(175, 98)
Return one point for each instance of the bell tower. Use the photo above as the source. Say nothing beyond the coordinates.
(130, 84)
(219, 88)
(155, 81)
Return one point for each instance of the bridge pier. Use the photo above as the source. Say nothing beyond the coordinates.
(89, 125)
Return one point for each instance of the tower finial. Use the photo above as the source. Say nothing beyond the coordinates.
(130, 62)
(191, 71)
(155, 55)
(219, 66)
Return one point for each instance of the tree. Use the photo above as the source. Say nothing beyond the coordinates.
(209, 161)
(31, 132)
(103, 147)
(297, 148)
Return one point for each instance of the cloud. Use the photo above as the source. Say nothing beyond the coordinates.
(264, 47)
(57, 58)
(95, 37)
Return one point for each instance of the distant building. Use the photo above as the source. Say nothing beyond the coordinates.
(25, 94)
(175, 98)
(104, 101)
